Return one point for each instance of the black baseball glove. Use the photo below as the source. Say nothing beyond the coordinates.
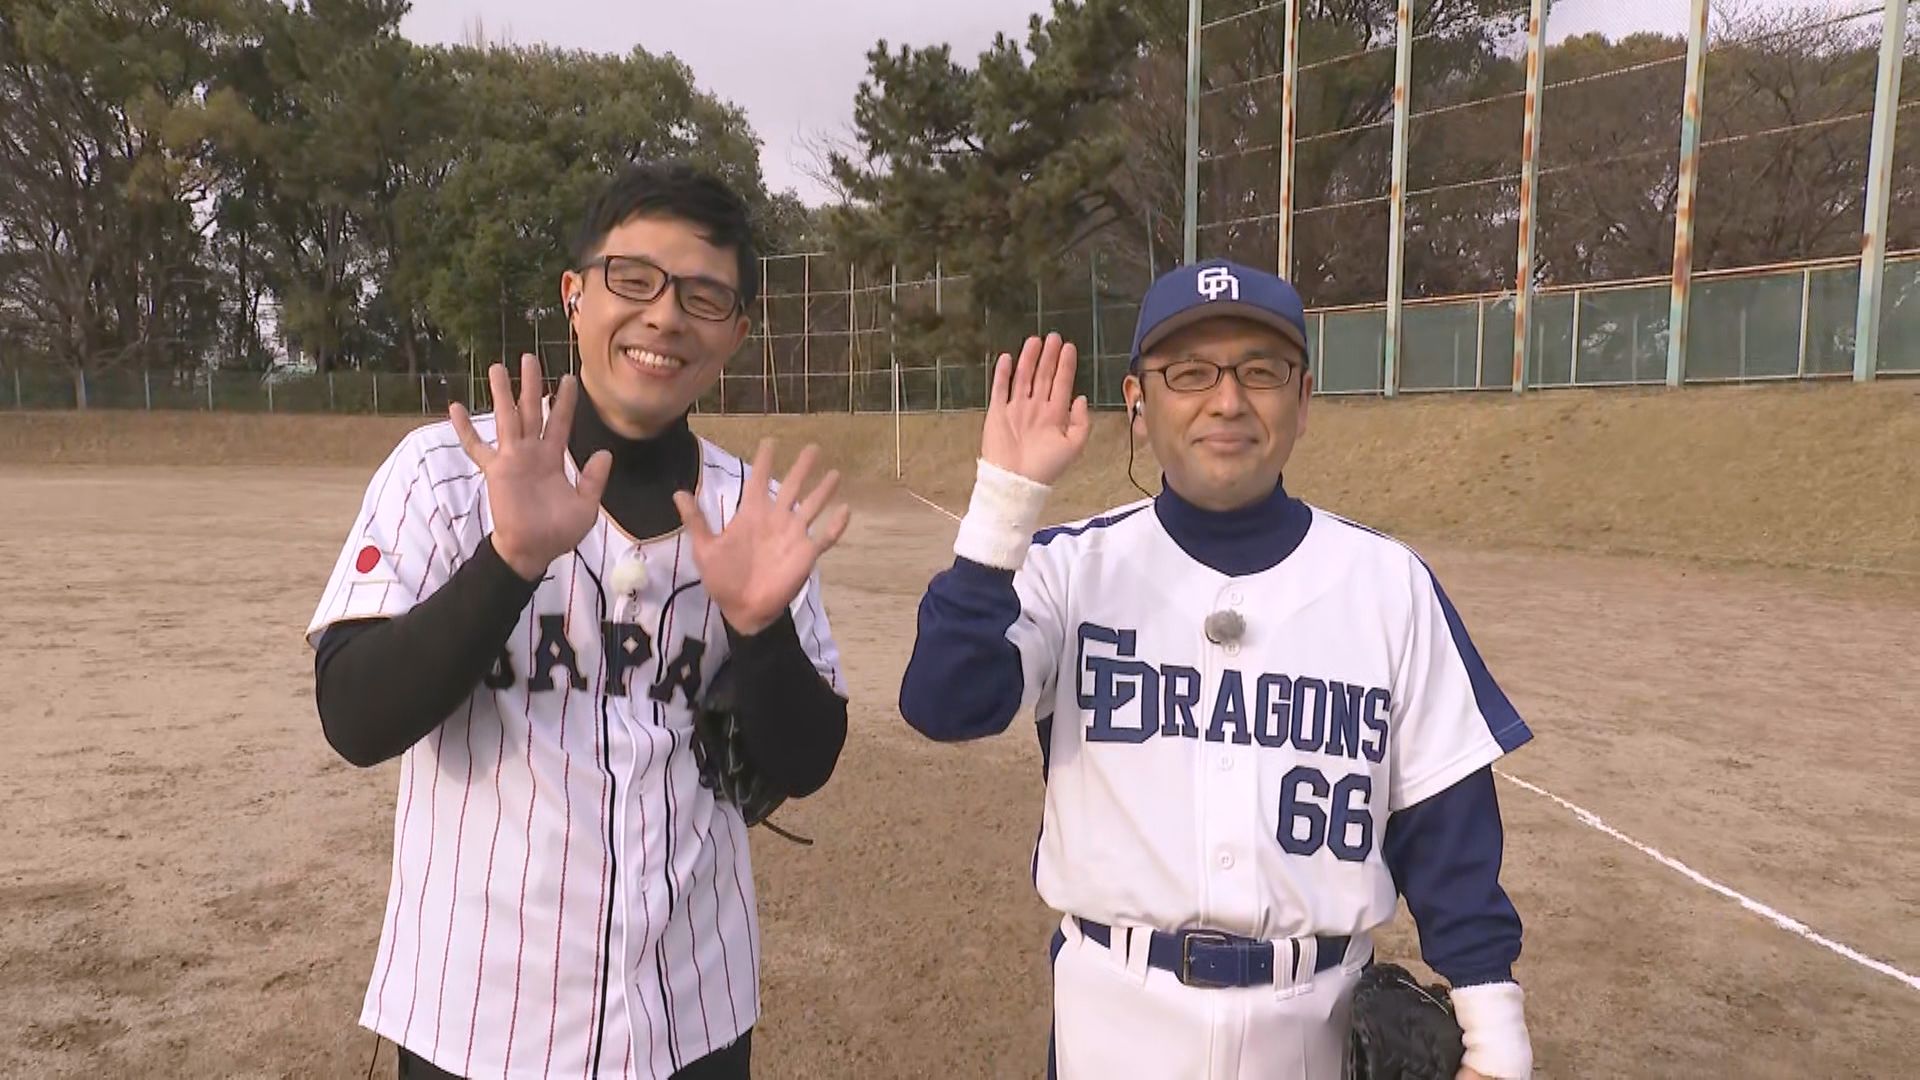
(1401, 1029)
(719, 752)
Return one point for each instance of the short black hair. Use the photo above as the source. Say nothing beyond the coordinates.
(674, 190)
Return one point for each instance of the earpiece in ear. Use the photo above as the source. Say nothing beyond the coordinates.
(573, 304)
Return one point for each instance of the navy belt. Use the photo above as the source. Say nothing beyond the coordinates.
(1209, 958)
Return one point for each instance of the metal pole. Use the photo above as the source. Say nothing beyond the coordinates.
(1682, 303)
(1573, 344)
(423, 395)
(1480, 343)
(1529, 190)
(1743, 341)
(1806, 316)
(1093, 283)
(1320, 348)
(1190, 217)
(1873, 247)
(269, 396)
(146, 384)
(852, 338)
(1397, 196)
(766, 334)
(1289, 106)
(806, 333)
(330, 405)
(939, 312)
(376, 391)
(896, 420)
(209, 389)
(893, 306)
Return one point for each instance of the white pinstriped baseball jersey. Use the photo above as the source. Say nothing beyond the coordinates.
(566, 899)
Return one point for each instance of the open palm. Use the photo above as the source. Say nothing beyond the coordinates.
(755, 566)
(1035, 426)
(538, 514)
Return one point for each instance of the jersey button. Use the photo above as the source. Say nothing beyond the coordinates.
(1234, 598)
(1226, 860)
(1226, 762)
(1233, 648)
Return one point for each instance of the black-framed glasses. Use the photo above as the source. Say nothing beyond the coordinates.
(632, 277)
(1199, 376)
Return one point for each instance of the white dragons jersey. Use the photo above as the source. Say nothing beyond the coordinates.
(566, 898)
(1240, 784)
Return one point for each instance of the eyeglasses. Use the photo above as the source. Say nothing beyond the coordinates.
(1199, 376)
(631, 277)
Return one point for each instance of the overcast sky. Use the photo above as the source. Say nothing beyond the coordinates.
(794, 65)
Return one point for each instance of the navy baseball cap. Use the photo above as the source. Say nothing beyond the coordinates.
(1213, 289)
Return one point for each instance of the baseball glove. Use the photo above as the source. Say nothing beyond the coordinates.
(719, 752)
(1402, 1030)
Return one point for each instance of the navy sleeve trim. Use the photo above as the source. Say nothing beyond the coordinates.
(964, 679)
(1444, 854)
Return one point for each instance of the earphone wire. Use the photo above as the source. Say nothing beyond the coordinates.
(1131, 440)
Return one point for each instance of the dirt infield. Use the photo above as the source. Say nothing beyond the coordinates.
(191, 884)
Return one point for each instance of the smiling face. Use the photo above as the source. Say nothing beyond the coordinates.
(645, 362)
(1222, 448)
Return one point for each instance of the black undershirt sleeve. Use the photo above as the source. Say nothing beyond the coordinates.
(384, 684)
(793, 724)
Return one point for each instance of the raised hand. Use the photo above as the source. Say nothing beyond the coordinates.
(1035, 426)
(538, 514)
(757, 564)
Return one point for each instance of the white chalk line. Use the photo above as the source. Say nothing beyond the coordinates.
(930, 502)
(1594, 821)
(1784, 922)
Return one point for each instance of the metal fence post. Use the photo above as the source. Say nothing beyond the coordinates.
(330, 404)
(376, 393)
(806, 335)
(1480, 343)
(1093, 281)
(146, 386)
(1681, 309)
(1190, 216)
(852, 339)
(423, 395)
(1573, 344)
(939, 314)
(269, 395)
(1529, 190)
(1289, 106)
(1873, 249)
(209, 389)
(1806, 317)
(893, 307)
(1397, 198)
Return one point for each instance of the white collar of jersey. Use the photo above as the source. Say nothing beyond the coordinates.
(1238, 542)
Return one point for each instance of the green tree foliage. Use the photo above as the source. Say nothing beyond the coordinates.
(1042, 156)
(204, 182)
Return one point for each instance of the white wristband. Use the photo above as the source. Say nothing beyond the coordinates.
(1001, 518)
(1493, 1023)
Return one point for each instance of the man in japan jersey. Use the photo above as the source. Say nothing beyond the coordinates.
(527, 610)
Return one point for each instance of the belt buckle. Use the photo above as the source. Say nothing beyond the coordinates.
(1186, 974)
